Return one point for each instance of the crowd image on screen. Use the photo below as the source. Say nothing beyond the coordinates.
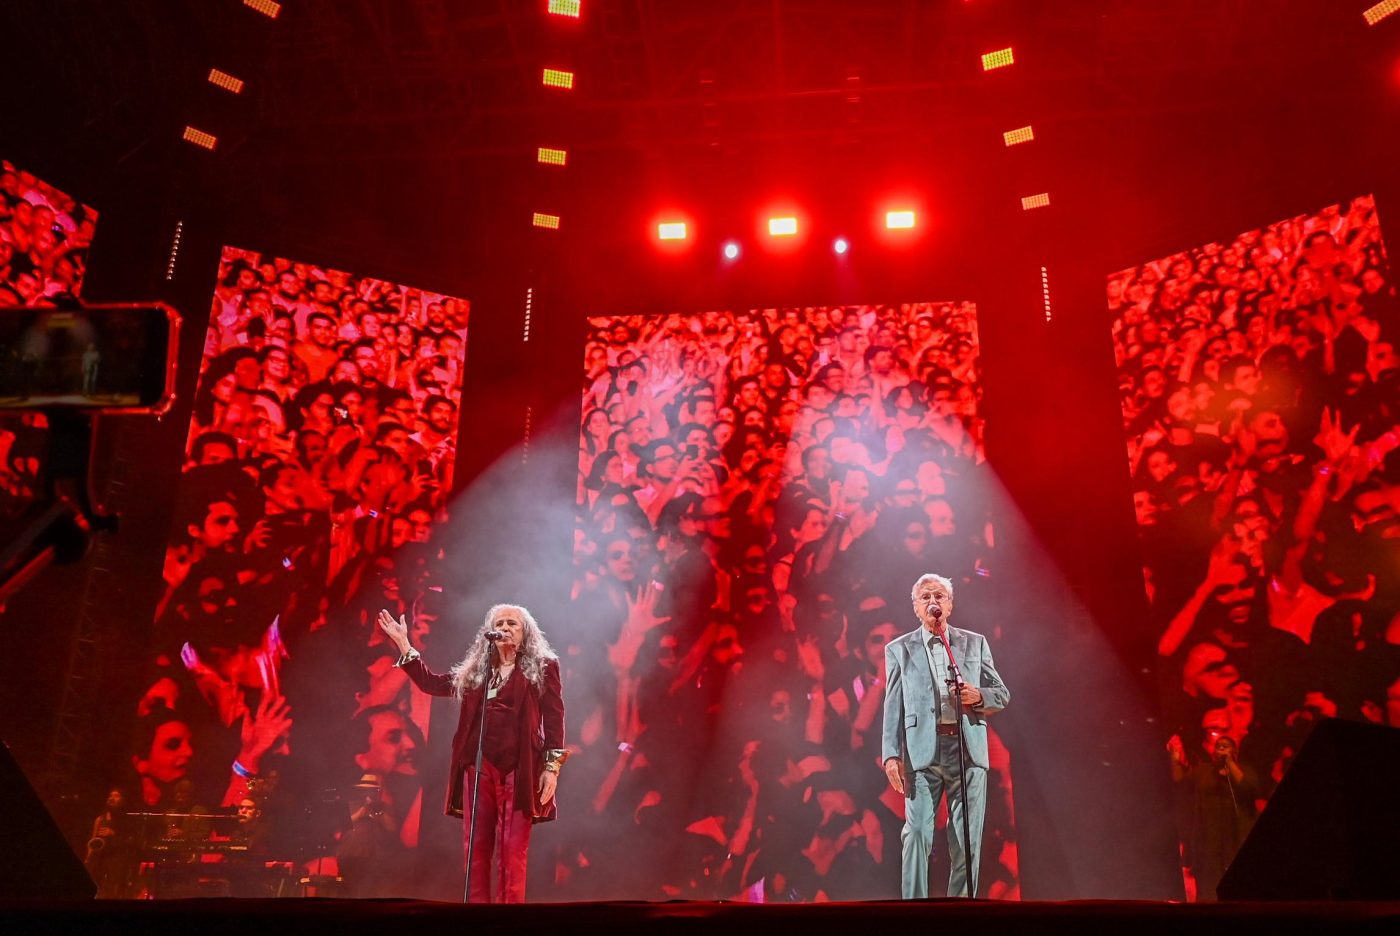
(319, 459)
(1260, 394)
(757, 493)
(45, 236)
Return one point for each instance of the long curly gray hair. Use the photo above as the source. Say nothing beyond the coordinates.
(530, 657)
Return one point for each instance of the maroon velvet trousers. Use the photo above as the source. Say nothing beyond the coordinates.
(502, 838)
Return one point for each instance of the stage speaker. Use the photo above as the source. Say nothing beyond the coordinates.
(1331, 830)
(35, 860)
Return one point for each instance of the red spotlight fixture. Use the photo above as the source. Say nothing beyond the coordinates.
(547, 221)
(223, 79)
(556, 78)
(1035, 201)
(565, 7)
(1380, 11)
(671, 229)
(901, 219)
(200, 138)
(841, 246)
(731, 250)
(781, 226)
(998, 59)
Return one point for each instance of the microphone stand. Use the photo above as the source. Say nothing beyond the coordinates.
(955, 686)
(476, 775)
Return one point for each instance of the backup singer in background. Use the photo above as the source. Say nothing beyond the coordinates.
(523, 747)
(920, 746)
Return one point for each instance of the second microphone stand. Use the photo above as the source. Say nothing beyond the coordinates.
(476, 774)
(956, 686)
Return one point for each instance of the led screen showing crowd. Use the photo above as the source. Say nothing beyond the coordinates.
(1260, 394)
(44, 240)
(757, 493)
(319, 459)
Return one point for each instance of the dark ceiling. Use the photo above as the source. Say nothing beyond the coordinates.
(447, 79)
(425, 112)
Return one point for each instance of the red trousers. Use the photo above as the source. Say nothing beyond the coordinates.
(502, 838)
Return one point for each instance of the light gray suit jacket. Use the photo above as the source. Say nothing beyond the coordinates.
(911, 707)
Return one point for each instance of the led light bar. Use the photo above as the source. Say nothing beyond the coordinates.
(998, 59)
(554, 78)
(223, 79)
(1019, 135)
(1380, 11)
(200, 138)
(266, 7)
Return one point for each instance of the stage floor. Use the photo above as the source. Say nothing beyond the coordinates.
(204, 917)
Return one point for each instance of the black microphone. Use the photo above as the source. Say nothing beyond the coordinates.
(495, 635)
(936, 611)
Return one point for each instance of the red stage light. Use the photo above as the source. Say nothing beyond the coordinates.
(555, 78)
(226, 81)
(553, 157)
(902, 218)
(266, 7)
(1380, 11)
(548, 221)
(998, 59)
(1035, 201)
(671, 229)
(782, 227)
(200, 138)
(841, 246)
(565, 7)
(731, 251)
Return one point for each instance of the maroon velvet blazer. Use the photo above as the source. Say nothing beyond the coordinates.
(541, 718)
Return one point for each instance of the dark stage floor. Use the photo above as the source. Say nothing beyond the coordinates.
(205, 917)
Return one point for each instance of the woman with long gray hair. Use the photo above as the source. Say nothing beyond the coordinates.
(518, 741)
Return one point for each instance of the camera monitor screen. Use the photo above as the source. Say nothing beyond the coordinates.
(112, 357)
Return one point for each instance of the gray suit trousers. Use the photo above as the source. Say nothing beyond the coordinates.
(920, 812)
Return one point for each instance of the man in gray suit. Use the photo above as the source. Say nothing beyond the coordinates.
(920, 748)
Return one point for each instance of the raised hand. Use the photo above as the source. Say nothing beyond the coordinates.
(395, 630)
(1246, 442)
(1334, 443)
(809, 657)
(262, 730)
(258, 537)
(641, 610)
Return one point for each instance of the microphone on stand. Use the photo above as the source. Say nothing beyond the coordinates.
(495, 635)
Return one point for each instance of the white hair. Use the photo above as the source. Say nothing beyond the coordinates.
(946, 582)
(532, 655)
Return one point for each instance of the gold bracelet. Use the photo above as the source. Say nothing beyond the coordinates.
(554, 759)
